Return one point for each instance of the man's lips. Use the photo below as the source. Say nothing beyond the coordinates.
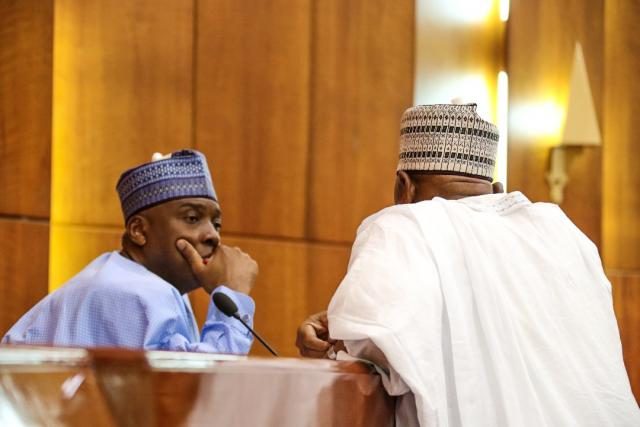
(206, 258)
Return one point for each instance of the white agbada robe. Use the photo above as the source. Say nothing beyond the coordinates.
(490, 310)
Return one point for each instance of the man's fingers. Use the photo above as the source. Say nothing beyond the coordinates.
(308, 339)
(218, 255)
(321, 330)
(312, 337)
(316, 344)
(190, 254)
(319, 318)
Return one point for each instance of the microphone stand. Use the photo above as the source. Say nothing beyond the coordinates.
(255, 334)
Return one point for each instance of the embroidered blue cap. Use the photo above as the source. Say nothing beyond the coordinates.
(176, 176)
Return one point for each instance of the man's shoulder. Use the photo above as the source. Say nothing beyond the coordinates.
(397, 219)
(111, 275)
(501, 204)
(391, 214)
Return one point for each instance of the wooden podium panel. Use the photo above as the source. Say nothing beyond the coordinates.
(105, 387)
(50, 387)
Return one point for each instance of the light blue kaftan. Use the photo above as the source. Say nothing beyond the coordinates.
(115, 302)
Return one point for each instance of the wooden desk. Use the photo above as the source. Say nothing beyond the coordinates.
(76, 387)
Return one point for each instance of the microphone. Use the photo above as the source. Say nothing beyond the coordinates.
(229, 308)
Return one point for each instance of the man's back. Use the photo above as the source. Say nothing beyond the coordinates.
(492, 310)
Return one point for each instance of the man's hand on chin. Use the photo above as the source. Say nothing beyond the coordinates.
(227, 266)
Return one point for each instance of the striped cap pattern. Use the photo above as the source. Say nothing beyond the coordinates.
(448, 139)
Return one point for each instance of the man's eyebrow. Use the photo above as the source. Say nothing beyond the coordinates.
(200, 207)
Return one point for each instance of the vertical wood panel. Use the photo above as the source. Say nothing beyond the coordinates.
(24, 247)
(280, 292)
(626, 294)
(361, 83)
(621, 174)
(77, 246)
(26, 45)
(122, 90)
(327, 268)
(252, 110)
(541, 40)
(25, 157)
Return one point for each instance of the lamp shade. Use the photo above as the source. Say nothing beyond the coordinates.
(581, 124)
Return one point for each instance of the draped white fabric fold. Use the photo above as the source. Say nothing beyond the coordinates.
(491, 310)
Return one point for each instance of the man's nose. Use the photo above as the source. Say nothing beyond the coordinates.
(211, 235)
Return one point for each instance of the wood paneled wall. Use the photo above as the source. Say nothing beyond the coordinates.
(25, 106)
(24, 245)
(25, 139)
(601, 196)
(621, 174)
(122, 88)
(626, 299)
(252, 111)
(362, 81)
(541, 41)
(295, 104)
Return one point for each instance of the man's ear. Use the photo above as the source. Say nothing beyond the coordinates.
(405, 189)
(137, 228)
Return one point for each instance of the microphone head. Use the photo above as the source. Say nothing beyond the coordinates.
(225, 304)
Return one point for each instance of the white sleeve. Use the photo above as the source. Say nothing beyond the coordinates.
(368, 351)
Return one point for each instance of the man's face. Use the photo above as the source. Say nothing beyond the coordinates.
(197, 220)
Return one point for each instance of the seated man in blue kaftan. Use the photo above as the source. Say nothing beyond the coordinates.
(135, 298)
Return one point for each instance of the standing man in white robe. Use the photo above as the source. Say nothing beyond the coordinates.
(486, 308)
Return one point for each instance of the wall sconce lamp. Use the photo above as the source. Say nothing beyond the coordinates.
(580, 129)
